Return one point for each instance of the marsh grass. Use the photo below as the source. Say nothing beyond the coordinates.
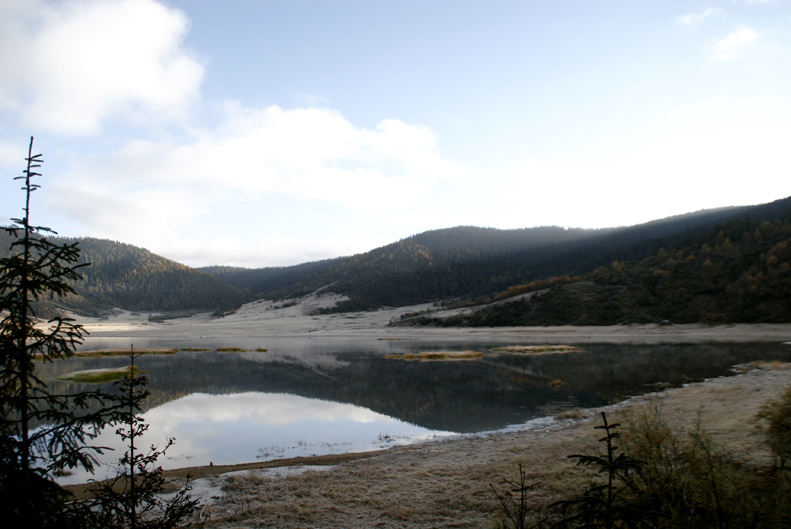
(536, 349)
(228, 350)
(278, 451)
(120, 352)
(434, 356)
(771, 364)
(573, 414)
(99, 376)
(196, 349)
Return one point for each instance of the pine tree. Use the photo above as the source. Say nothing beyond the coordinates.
(133, 498)
(41, 434)
(607, 505)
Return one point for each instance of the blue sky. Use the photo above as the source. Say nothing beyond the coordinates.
(269, 133)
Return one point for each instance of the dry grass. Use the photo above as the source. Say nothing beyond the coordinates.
(773, 364)
(574, 413)
(240, 350)
(99, 376)
(125, 352)
(447, 483)
(536, 349)
(434, 356)
(440, 484)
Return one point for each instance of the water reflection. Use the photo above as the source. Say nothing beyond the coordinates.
(241, 427)
(306, 396)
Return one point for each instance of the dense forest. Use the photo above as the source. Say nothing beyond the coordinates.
(430, 266)
(738, 272)
(468, 263)
(716, 266)
(125, 276)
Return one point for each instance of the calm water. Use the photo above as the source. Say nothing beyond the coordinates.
(312, 396)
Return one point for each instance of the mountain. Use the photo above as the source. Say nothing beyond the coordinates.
(469, 265)
(430, 266)
(738, 271)
(469, 262)
(132, 278)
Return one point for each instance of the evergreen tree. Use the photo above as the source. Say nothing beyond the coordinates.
(41, 434)
(133, 498)
(610, 504)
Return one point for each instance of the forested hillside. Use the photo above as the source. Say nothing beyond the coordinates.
(435, 265)
(260, 282)
(739, 271)
(128, 277)
(470, 262)
(680, 268)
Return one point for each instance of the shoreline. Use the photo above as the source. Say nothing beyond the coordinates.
(413, 485)
(446, 482)
(261, 320)
(543, 424)
(748, 390)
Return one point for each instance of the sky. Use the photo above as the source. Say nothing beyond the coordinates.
(274, 132)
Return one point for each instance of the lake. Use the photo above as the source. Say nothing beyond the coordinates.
(306, 396)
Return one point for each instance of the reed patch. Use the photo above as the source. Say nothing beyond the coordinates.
(125, 352)
(99, 376)
(536, 349)
(437, 356)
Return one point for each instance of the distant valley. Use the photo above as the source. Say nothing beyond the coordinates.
(714, 266)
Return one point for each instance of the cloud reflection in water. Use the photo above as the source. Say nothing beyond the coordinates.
(241, 427)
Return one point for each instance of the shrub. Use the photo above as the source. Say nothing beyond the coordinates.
(777, 429)
(691, 482)
(667, 479)
(516, 511)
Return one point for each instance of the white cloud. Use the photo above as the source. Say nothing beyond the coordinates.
(710, 154)
(275, 409)
(67, 67)
(311, 100)
(733, 45)
(134, 215)
(278, 187)
(306, 153)
(173, 197)
(269, 250)
(694, 20)
(12, 155)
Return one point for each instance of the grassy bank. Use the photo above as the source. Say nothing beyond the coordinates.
(448, 483)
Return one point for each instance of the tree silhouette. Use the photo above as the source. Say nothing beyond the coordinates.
(609, 504)
(133, 497)
(31, 457)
